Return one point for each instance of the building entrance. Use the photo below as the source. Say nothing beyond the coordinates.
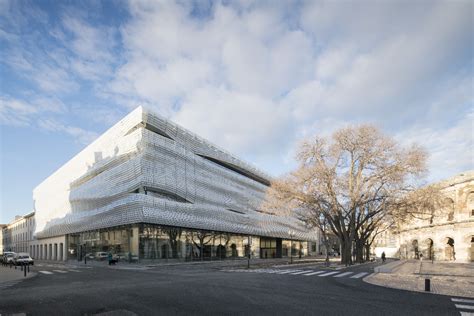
(270, 248)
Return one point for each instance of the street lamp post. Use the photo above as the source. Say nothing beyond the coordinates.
(292, 234)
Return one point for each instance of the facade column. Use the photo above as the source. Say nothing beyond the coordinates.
(61, 252)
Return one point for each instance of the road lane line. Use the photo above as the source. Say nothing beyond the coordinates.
(342, 275)
(60, 271)
(328, 273)
(45, 272)
(314, 273)
(359, 275)
(301, 272)
(73, 270)
(466, 313)
(461, 300)
(464, 306)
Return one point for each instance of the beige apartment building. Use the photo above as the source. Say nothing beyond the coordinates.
(17, 236)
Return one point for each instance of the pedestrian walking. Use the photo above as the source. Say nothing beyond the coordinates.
(383, 256)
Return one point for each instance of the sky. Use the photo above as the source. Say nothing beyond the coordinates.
(253, 77)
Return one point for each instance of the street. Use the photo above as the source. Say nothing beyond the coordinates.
(210, 289)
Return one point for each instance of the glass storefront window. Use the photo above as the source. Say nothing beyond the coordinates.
(151, 242)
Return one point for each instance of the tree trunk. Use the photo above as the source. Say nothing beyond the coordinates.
(359, 250)
(367, 251)
(346, 254)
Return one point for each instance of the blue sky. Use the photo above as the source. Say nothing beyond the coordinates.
(252, 77)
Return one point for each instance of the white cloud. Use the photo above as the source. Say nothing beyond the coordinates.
(20, 112)
(451, 149)
(236, 121)
(254, 77)
(82, 136)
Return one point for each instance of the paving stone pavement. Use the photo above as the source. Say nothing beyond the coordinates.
(456, 279)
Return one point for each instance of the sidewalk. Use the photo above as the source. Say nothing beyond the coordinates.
(8, 274)
(447, 278)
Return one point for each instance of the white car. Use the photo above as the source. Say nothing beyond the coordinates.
(22, 258)
(101, 255)
(8, 257)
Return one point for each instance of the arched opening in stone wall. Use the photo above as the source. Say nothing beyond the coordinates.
(470, 203)
(449, 253)
(428, 250)
(449, 207)
(472, 249)
(415, 249)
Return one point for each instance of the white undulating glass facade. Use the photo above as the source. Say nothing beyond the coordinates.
(150, 189)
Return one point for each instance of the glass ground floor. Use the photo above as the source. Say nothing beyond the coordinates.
(148, 242)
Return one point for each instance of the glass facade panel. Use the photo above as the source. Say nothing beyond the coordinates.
(155, 243)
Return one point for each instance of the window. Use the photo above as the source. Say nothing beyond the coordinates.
(235, 211)
(163, 194)
(237, 169)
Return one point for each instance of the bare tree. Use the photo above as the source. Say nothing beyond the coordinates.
(350, 180)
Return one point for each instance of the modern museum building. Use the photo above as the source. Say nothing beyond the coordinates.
(148, 189)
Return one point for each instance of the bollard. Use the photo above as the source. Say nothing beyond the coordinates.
(427, 285)
(24, 271)
(28, 268)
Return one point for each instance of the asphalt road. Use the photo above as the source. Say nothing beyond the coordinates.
(212, 290)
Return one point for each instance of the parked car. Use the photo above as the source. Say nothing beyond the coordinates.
(101, 255)
(119, 256)
(8, 257)
(22, 258)
(90, 255)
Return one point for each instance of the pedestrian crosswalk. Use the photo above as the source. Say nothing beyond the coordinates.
(296, 272)
(464, 306)
(47, 272)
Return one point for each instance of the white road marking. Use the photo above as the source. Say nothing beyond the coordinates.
(464, 306)
(328, 273)
(359, 275)
(45, 272)
(466, 313)
(287, 271)
(60, 271)
(342, 275)
(301, 272)
(462, 300)
(73, 270)
(314, 273)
